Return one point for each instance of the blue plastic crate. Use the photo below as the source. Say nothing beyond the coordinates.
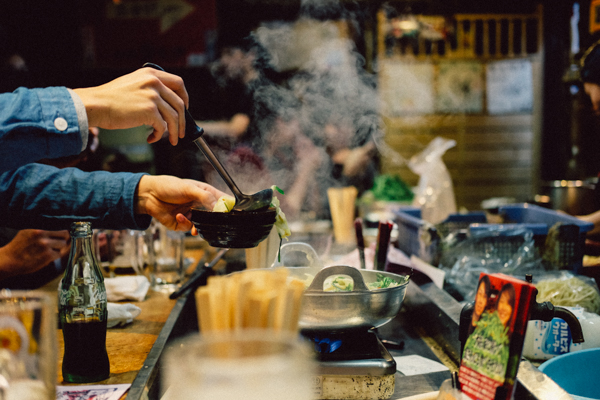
(566, 246)
(420, 238)
(417, 237)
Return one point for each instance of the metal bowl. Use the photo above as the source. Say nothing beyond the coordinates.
(240, 230)
(342, 311)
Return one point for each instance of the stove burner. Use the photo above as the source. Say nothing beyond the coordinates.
(345, 346)
(356, 353)
(326, 345)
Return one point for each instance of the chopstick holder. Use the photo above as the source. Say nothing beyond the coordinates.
(250, 299)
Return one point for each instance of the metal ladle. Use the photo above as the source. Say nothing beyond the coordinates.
(243, 202)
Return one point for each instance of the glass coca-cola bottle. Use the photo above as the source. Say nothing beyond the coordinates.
(83, 311)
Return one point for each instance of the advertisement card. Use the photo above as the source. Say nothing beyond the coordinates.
(493, 348)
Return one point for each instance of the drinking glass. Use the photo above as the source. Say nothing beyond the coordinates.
(120, 250)
(166, 257)
(245, 364)
(29, 351)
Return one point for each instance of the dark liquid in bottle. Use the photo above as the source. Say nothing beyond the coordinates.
(85, 358)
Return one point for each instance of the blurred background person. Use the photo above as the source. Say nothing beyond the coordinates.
(297, 166)
(353, 163)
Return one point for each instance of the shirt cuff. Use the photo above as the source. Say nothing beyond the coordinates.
(81, 118)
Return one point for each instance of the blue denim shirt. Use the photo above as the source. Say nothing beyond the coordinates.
(44, 197)
(39, 123)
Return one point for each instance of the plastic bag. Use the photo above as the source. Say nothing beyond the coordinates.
(492, 249)
(435, 192)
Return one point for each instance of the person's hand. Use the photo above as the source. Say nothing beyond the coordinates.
(357, 159)
(31, 250)
(144, 97)
(169, 199)
(310, 157)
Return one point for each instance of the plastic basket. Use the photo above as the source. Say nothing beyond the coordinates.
(420, 238)
(417, 237)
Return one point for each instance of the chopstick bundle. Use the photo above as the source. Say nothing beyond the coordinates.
(251, 299)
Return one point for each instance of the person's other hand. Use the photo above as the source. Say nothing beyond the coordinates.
(144, 97)
(169, 200)
(357, 159)
(310, 157)
(32, 249)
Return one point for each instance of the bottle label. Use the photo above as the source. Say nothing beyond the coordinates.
(83, 302)
(557, 339)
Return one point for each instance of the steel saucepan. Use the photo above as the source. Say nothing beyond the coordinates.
(340, 311)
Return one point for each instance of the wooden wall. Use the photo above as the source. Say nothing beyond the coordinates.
(496, 154)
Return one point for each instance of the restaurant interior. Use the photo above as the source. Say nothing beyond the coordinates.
(462, 117)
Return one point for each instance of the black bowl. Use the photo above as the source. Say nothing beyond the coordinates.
(238, 230)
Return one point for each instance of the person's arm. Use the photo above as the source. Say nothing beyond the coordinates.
(36, 124)
(355, 160)
(233, 128)
(44, 197)
(310, 159)
(53, 122)
(593, 218)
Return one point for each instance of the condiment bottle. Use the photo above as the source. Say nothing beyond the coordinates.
(83, 311)
(545, 340)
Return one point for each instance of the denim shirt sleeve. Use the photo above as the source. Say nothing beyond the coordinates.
(38, 123)
(44, 197)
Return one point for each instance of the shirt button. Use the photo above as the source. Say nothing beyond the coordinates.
(61, 124)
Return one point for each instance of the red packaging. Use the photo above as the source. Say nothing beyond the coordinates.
(493, 348)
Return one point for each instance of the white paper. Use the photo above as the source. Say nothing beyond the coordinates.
(436, 275)
(509, 86)
(89, 392)
(409, 88)
(417, 365)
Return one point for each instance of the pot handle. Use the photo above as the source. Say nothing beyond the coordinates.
(319, 279)
(311, 254)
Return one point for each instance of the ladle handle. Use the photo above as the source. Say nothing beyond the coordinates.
(203, 146)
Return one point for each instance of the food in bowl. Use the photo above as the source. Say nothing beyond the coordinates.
(345, 283)
(225, 204)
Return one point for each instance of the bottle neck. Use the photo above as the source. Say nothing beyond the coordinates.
(82, 261)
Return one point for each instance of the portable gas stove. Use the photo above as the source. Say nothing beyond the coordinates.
(352, 365)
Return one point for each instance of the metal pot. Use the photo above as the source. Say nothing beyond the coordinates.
(341, 311)
(573, 197)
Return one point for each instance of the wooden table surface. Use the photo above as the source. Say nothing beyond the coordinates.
(128, 346)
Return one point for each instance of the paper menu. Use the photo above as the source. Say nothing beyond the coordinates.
(89, 392)
(493, 348)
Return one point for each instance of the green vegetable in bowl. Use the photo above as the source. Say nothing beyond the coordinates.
(384, 282)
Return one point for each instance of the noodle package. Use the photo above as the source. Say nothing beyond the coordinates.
(568, 290)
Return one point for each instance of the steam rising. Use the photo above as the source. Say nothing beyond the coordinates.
(329, 86)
